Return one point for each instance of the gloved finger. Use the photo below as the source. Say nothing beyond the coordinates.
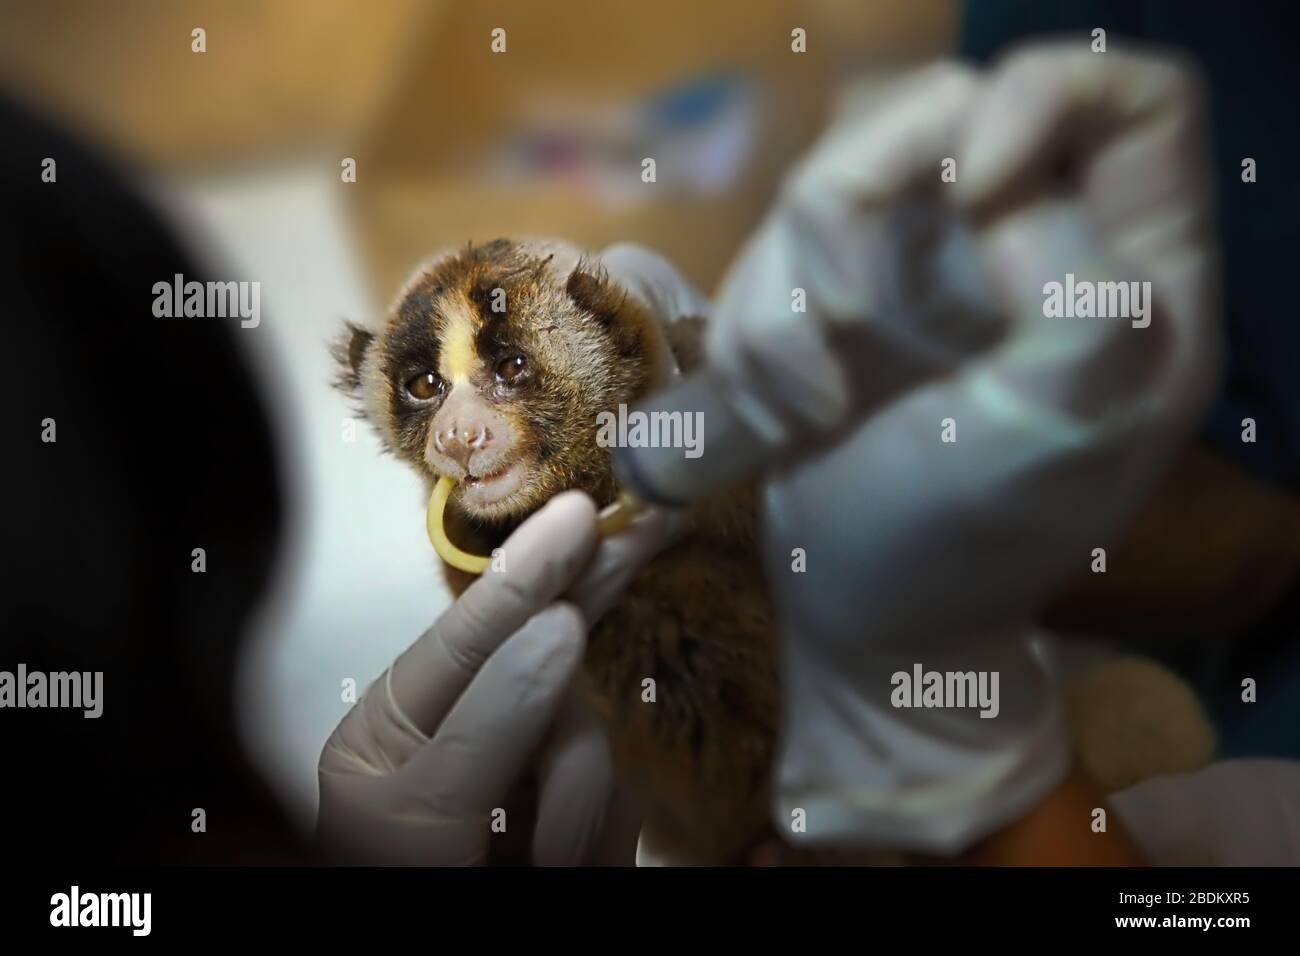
(620, 557)
(374, 737)
(823, 242)
(488, 737)
(575, 784)
(540, 560)
(1053, 103)
(1130, 131)
(870, 159)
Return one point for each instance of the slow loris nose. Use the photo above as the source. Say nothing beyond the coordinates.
(464, 426)
(460, 440)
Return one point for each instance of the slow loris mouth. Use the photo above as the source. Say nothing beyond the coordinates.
(484, 479)
(481, 492)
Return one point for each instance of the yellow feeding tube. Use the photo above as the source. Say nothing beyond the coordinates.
(612, 520)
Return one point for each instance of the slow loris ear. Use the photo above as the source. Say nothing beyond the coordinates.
(632, 329)
(349, 351)
(591, 289)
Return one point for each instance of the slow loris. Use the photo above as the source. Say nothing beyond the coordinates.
(491, 368)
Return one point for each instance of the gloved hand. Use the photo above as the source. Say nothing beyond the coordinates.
(938, 553)
(414, 772)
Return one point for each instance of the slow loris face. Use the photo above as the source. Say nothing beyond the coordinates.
(492, 367)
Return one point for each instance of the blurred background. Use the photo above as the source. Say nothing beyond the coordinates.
(247, 148)
(243, 146)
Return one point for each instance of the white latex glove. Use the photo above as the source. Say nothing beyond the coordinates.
(413, 773)
(1232, 813)
(925, 552)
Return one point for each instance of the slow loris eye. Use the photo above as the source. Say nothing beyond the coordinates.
(508, 370)
(424, 386)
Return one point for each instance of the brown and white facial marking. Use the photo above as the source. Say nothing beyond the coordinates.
(491, 369)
